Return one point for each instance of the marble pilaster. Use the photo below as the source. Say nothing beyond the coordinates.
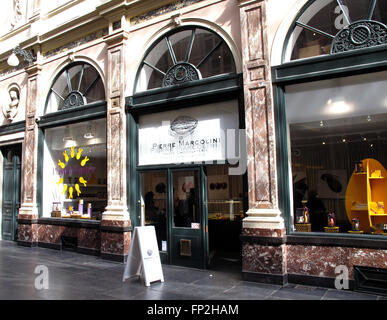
(28, 210)
(116, 210)
(263, 216)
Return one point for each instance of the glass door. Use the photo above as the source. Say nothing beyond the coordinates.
(174, 202)
(186, 220)
(154, 207)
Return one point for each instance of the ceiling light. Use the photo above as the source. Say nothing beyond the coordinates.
(338, 107)
(88, 135)
(89, 132)
(67, 136)
(70, 143)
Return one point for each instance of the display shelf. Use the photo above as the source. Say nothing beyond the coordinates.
(360, 210)
(84, 199)
(225, 210)
(369, 191)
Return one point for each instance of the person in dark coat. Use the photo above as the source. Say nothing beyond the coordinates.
(317, 212)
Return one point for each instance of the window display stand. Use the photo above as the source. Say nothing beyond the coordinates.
(303, 227)
(332, 229)
(365, 196)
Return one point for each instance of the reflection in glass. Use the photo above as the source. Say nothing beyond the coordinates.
(154, 197)
(333, 125)
(74, 169)
(185, 199)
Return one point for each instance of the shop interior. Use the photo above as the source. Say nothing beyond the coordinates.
(338, 153)
(74, 169)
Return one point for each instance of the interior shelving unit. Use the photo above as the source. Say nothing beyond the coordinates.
(366, 195)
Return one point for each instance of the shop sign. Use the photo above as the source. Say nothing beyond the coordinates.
(188, 135)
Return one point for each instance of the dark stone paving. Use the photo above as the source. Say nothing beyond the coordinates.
(74, 276)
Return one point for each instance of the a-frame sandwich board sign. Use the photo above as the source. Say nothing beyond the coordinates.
(144, 258)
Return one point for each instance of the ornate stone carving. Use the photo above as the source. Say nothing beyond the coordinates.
(11, 108)
(358, 35)
(17, 13)
(73, 100)
(181, 73)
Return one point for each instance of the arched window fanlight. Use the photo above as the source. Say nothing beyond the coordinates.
(334, 26)
(76, 85)
(183, 55)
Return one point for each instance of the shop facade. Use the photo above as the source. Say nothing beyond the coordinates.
(247, 131)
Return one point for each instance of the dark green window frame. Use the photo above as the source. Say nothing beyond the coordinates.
(359, 61)
(196, 93)
(86, 112)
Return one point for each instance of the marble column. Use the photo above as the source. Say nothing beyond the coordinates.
(28, 212)
(262, 256)
(115, 225)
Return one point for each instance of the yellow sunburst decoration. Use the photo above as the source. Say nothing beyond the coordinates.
(81, 181)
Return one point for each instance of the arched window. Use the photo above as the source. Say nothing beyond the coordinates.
(184, 55)
(76, 85)
(73, 171)
(333, 26)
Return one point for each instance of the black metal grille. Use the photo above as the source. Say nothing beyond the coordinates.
(360, 34)
(370, 280)
(69, 243)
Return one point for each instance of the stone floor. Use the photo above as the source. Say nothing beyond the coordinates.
(76, 276)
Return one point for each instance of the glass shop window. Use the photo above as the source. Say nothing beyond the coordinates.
(338, 145)
(74, 170)
(324, 19)
(77, 85)
(184, 55)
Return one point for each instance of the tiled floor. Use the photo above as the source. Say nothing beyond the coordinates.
(75, 276)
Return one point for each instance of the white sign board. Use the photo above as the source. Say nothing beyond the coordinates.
(187, 135)
(144, 258)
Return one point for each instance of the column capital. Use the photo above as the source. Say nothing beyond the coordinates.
(243, 3)
(116, 38)
(33, 70)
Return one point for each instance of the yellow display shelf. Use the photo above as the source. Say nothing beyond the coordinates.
(368, 187)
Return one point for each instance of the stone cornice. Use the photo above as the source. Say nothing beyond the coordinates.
(243, 3)
(116, 38)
